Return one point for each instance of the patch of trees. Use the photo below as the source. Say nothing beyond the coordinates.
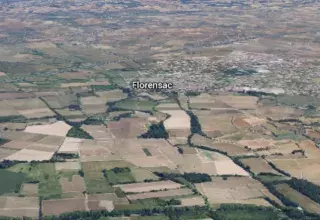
(156, 131)
(92, 121)
(77, 132)
(244, 212)
(192, 93)
(180, 150)
(306, 188)
(279, 195)
(121, 170)
(195, 124)
(171, 212)
(259, 94)
(279, 170)
(12, 118)
(74, 107)
(8, 163)
(191, 177)
(124, 115)
(65, 156)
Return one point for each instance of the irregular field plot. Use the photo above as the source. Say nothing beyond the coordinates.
(13, 181)
(60, 101)
(29, 189)
(45, 173)
(146, 187)
(75, 185)
(95, 181)
(141, 174)
(258, 165)
(113, 95)
(118, 178)
(59, 128)
(161, 194)
(6, 152)
(131, 104)
(230, 149)
(30, 155)
(192, 201)
(293, 195)
(67, 166)
(233, 190)
(19, 206)
(59, 206)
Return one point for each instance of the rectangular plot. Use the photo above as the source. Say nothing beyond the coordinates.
(161, 194)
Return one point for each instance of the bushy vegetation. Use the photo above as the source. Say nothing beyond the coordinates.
(93, 121)
(191, 177)
(12, 118)
(124, 115)
(245, 212)
(118, 175)
(279, 170)
(77, 132)
(172, 212)
(305, 187)
(195, 124)
(156, 131)
(146, 151)
(121, 169)
(192, 93)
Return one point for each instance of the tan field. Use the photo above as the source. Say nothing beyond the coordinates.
(258, 165)
(228, 167)
(70, 145)
(6, 152)
(19, 206)
(179, 120)
(2, 74)
(300, 168)
(24, 104)
(232, 190)
(67, 166)
(29, 189)
(160, 194)
(147, 187)
(168, 107)
(59, 128)
(258, 143)
(75, 185)
(112, 95)
(59, 206)
(42, 45)
(254, 121)
(192, 201)
(92, 100)
(66, 85)
(30, 155)
(239, 102)
(230, 149)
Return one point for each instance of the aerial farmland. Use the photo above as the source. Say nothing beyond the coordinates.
(237, 137)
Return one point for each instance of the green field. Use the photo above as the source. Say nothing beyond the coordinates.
(118, 178)
(131, 104)
(45, 174)
(271, 178)
(10, 181)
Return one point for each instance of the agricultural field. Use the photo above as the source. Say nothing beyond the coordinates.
(233, 190)
(303, 201)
